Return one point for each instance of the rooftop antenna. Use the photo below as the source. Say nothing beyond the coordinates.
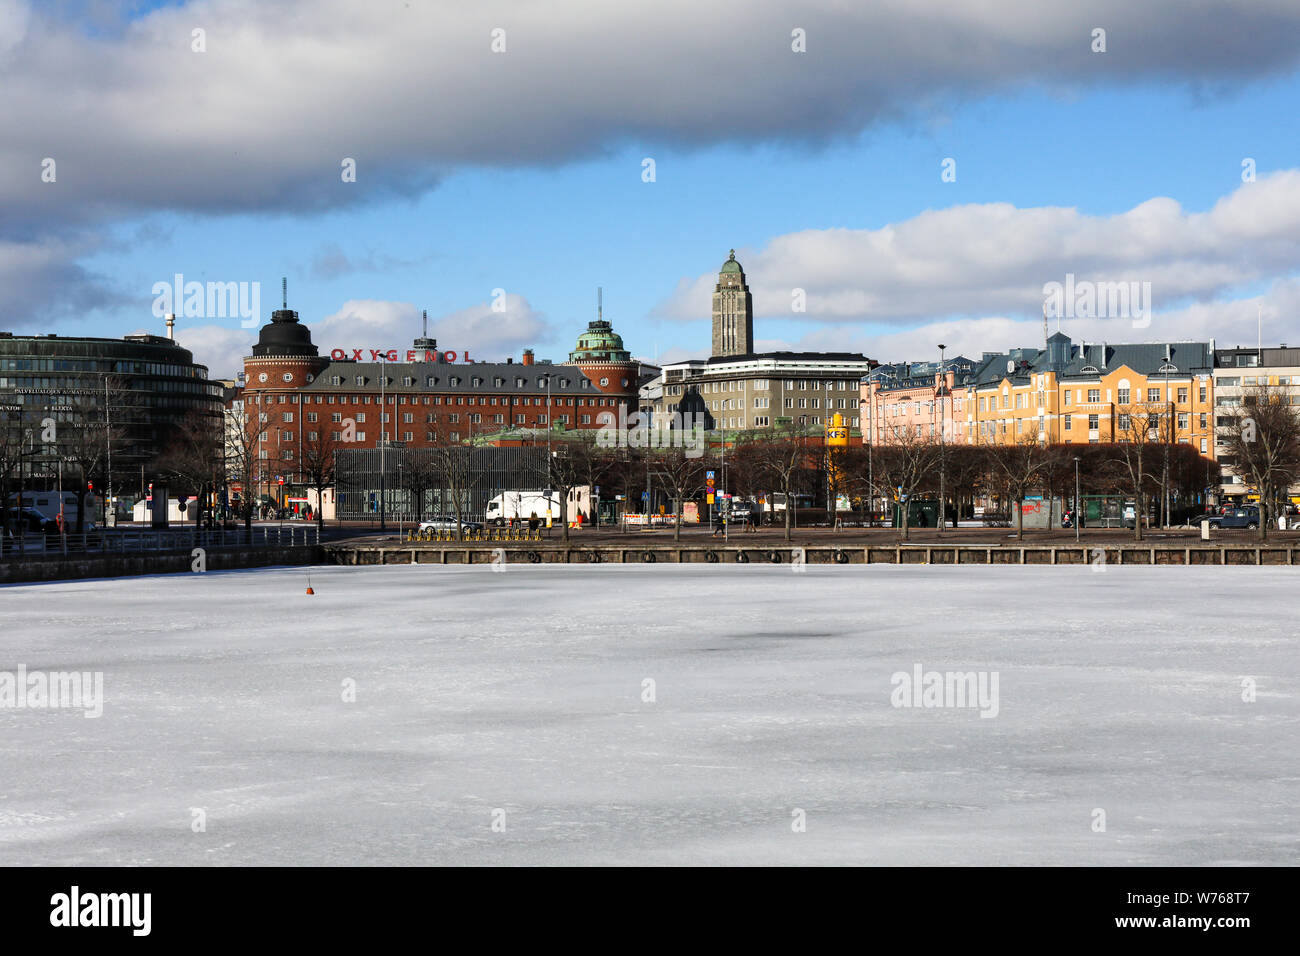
(425, 328)
(1045, 325)
(600, 303)
(284, 291)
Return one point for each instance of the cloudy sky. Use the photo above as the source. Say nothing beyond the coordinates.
(920, 169)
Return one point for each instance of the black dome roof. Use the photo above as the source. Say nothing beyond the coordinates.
(284, 335)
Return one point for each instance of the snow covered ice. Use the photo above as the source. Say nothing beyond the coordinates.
(525, 692)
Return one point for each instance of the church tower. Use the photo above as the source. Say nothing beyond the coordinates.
(733, 311)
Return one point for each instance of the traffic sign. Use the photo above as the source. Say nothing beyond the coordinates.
(709, 475)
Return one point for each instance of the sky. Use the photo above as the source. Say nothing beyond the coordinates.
(892, 175)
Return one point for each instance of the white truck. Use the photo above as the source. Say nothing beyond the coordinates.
(522, 505)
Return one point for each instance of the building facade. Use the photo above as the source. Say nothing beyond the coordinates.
(130, 394)
(767, 390)
(1236, 373)
(1093, 393)
(420, 397)
(737, 389)
(915, 400)
(733, 311)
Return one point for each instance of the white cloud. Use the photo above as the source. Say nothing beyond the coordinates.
(1229, 323)
(220, 347)
(974, 260)
(488, 335)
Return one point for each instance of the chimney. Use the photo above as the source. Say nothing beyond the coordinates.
(171, 326)
(510, 360)
(528, 357)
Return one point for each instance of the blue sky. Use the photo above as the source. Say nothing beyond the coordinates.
(423, 228)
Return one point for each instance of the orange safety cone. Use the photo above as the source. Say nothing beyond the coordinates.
(309, 590)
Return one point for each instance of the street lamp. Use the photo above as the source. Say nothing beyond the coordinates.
(383, 412)
(943, 510)
(1077, 518)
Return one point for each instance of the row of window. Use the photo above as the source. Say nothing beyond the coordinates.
(475, 381)
(101, 366)
(256, 399)
(763, 384)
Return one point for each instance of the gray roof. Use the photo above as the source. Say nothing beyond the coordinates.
(1145, 359)
(1090, 359)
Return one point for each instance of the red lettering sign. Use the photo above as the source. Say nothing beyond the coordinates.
(394, 355)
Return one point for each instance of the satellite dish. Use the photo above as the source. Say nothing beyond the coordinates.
(1011, 366)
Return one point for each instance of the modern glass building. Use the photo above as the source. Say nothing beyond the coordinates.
(135, 391)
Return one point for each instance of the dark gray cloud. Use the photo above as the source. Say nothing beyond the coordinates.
(285, 91)
(136, 121)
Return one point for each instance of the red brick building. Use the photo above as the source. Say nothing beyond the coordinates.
(429, 396)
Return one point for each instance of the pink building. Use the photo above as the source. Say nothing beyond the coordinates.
(913, 400)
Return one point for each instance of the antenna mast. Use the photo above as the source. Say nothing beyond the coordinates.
(284, 291)
(600, 303)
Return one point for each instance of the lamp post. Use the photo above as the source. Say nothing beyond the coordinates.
(1077, 513)
(383, 411)
(943, 510)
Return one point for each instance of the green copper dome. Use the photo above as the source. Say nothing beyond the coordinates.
(731, 265)
(600, 343)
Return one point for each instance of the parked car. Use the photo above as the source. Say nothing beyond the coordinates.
(29, 519)
(1236, 518)
(448, 523)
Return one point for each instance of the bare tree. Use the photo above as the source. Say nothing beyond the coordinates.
(244, 431)
(1261, 442)
(318, 465)
(192, 458)
(1137, 439)
(783, 464)
(681, 475)
(573, 459)
(451, 466)
(905, 465)
(1022, 467)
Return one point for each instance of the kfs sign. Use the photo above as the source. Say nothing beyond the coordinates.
(412, 355)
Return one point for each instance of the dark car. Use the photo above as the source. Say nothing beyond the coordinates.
(1247, 517)
(29, 519)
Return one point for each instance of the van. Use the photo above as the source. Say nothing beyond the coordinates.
(48, 504)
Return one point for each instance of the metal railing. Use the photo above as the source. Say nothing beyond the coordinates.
(135, 541)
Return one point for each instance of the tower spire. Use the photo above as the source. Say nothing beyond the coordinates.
(284, 291)
(600, 303)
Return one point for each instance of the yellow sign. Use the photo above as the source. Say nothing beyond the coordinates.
(837, 436)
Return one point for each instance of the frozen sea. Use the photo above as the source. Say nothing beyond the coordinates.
(506, 717)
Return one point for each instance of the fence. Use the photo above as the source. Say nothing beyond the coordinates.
(412, 481)
(134, 541)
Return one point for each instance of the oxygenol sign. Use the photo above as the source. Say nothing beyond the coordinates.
(412, 355)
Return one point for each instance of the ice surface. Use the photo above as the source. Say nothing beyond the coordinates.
(522, 691)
